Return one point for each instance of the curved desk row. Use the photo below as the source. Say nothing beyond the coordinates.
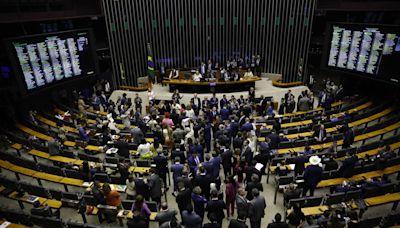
(191, 86)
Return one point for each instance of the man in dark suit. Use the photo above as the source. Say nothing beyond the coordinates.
(214, 101)
(348, 136)
(224, 101)
(185, 179)
(312, 175)
(346, 170)
(238, 141)
(155, 186)
(240, 222)
(257, 209)
(300, 162)
(194, 161)
(216, 207)
(226, 159)
(224, 112)
(247, 154)
(183, 199)
(203, 181)
(123, 148)
(161, 163)
(176, 170)
(320, 134)
(253, 184)
(165, 214)
(208, 166)
(278, 223)
(275, 140)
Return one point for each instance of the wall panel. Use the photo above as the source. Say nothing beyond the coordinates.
(190, 31)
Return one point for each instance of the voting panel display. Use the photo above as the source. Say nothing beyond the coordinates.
(369, 50)
(43, 60)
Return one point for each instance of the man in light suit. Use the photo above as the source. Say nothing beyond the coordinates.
(256, 209)
(165, 214)
(197, 103)
(155, 185)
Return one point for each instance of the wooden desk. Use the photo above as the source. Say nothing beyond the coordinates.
(129, 215)
(16, 146)
(378, 200)
(207, 87)
(54, 124)
(26, 198)
(11, 225)
(309, 211)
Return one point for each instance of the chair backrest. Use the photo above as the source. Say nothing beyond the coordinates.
(72, 174)
(143, 163)
(386, 188)
(90, 200)
(111, 160)
(70, 195)
(127, 204)
(152, 206)
(102, 177)
(314, 201)
(371, 192)
(51, 169)
(335, 198)
(55, 194)
(355, 194)
(53, 222)
(284, 180)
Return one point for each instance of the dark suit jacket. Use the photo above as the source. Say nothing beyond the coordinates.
(312, 175)
(278, 225)
(275, 140)
(123, 148)
(212, 225)
(248, 155)
(161, 163)
(237, 224)
(250, 186)
(216, 207)
(316, 133)
(203, 181)
(226, 158)
(183, 199)
(348, 138)
(347, 166)
(300, 164)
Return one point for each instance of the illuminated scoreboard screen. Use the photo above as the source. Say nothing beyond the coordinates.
(368, 50)
(43, 60)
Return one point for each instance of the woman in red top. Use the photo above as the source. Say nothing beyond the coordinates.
(230, 194)
(112, 196)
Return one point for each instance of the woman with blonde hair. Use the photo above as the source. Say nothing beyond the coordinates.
(167, 134)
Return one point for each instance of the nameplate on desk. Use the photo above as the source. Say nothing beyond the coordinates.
(112, 151)
(87, 184)
(107, 207)
(213, 83)
(119, 188)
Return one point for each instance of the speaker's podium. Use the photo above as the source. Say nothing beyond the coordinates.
(186, 84)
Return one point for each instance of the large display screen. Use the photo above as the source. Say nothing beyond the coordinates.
(43, 60)
(368, 50)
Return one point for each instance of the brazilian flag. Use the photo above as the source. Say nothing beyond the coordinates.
(150, 64)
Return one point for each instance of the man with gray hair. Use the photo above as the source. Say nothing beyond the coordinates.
(165, 214)
(256, 209)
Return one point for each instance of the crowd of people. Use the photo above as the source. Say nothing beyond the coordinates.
(228, 72)
(211, 148)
